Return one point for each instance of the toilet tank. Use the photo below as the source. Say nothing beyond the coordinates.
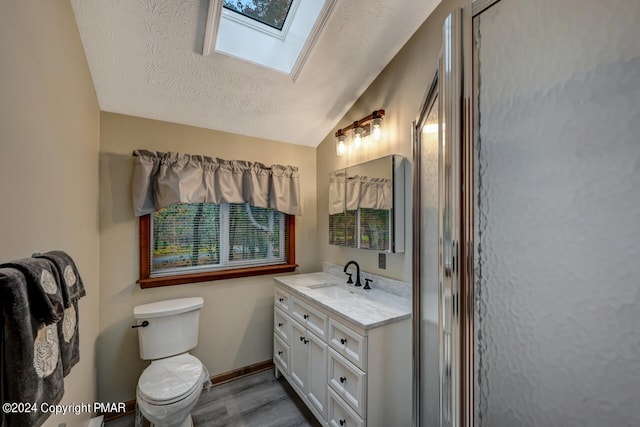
(172, 327)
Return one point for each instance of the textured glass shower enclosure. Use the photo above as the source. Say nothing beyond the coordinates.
(557, 213)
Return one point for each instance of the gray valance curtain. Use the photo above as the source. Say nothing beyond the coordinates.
(353, 192)
(162, 179)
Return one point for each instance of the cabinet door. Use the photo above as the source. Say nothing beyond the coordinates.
(299, 356)
(317, 379)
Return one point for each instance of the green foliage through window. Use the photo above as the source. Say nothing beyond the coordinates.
(270, 12)
(207, 236)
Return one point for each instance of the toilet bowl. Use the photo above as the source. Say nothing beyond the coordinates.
(170, 386)
(169, 389)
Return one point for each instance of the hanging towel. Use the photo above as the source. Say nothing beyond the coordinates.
(32, 366)
(72, 290)
(45, 295)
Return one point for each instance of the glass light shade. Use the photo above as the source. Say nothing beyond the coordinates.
(376, 128)
(341, 146)
(357, 137)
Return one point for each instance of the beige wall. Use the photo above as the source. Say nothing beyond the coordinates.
(237, 318)
(400, 90)
(49, 146)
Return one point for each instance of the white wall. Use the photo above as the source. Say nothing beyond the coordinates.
(237, 318)
(49, 143)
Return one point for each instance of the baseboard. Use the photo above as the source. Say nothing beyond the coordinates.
(241, 372)
(225, 377)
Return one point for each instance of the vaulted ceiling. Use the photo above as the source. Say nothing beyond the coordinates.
(146, 60)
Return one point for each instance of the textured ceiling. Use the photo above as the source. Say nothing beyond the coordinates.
(146, 60)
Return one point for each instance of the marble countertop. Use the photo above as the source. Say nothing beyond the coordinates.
(364, 308)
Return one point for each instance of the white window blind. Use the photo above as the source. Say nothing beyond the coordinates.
(198, 237)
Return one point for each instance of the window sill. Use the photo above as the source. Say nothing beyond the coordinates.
(154, 282)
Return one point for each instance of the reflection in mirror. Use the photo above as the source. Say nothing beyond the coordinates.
(342, 223)
(366, 205)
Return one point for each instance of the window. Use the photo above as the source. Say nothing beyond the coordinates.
(186, 243)
(269, 12)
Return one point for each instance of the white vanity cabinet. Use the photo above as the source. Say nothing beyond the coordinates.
(348, 375)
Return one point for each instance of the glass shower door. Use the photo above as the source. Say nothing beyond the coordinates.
(426, 161)
(557, 213)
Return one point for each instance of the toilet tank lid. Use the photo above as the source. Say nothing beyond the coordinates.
(167, 307)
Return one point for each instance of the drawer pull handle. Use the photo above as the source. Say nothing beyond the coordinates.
(281, 299)
(343, 341)
(343, 380)
(279, 353)
(280, 325)
(342, 422)
(306, 316)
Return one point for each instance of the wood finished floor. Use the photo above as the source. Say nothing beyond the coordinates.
(258, 400)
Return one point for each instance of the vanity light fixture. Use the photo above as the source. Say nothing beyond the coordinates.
(341, 145)
(362, 129)
(357, 135)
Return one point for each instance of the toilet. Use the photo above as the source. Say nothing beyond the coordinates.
(170, 386)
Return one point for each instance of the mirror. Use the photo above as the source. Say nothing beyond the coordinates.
(366, 205)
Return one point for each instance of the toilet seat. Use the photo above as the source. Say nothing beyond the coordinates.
(170, 380)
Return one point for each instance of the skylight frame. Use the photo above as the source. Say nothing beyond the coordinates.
(216, 23)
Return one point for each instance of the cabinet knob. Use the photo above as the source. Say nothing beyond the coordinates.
(343, 341)
(343, 422)
(280, 325)
(306, 316)
(281, 299)
(343, 380)
(279, 353)
(306, 341)
(301, 338)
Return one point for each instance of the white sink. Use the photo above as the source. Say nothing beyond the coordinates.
(331, 290)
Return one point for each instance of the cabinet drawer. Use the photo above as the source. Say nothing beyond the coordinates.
(340, 414)
(281, 354)
(348, 343)
(281, 299)
(309, 317)
(347, 381)
(282, 324)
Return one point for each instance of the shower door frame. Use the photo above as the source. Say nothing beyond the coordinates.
(428, 103)
(463, 244)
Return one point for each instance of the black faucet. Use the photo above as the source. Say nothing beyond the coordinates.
(357, 273)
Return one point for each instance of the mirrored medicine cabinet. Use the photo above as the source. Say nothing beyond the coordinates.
(366, 205)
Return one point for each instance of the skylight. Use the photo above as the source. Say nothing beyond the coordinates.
(270, 12)
(276, 34)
